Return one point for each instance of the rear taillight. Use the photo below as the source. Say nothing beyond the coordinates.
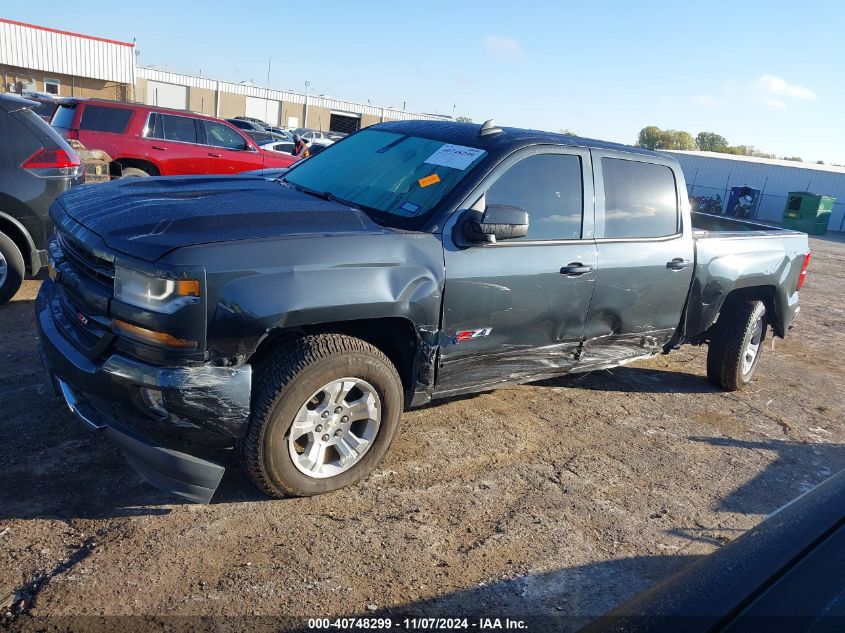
(803, 276)
(53, 163)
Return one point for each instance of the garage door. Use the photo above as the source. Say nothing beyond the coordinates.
(263, 109)
(343, 122)
(167, 95)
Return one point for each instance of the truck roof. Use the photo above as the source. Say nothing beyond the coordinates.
(506, 140)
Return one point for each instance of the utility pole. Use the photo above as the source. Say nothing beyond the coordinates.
(305, 114)
(267, 101)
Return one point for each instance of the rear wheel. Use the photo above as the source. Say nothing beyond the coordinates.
(133, 172)
(12, 268)
(736, 344)
(325, 410)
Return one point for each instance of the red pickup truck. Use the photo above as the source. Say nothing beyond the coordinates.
(151, 141)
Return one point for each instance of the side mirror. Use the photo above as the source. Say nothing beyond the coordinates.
(499, 222)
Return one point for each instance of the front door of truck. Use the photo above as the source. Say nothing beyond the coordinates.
(516, 308)
(645, 258)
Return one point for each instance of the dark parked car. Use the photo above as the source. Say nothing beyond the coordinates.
(47, 104)
(151, 141)
(281, 132)
(252, 125)
(408, 262)
(36, 165)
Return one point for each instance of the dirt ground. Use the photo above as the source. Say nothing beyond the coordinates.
(558, 500)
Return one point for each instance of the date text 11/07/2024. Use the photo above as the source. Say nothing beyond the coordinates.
(417, 624)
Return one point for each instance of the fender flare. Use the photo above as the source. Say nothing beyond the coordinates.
(30, 243)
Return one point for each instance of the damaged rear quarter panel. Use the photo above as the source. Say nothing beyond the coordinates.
(257, 286)
(726, 264)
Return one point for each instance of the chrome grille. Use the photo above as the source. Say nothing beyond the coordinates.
(87, 262)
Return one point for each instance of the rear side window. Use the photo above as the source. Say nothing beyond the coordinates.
(549, 187)
(105, 119)
(172, 128)
(63, 117)
(17, 145)
(45, 109)
(640, 199)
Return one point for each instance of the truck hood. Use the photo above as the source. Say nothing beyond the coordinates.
(148, 217)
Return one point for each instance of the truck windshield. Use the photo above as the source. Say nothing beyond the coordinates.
(392, 176)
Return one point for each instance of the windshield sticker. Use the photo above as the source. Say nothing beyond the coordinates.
(454, 156)
(429, 180)
(410, 208)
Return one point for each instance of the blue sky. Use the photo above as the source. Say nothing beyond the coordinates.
(768, 74)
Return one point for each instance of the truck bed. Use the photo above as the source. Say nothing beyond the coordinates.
(705, 226)
(737, 255)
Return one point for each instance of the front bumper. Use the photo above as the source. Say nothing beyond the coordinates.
(213, 399)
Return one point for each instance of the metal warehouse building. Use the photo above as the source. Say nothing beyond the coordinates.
(286, 109)
(711, 173)
(40, 59)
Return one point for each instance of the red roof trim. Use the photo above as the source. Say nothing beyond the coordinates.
(47, 28)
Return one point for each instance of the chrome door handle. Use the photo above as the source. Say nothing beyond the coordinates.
(678, 264)
(576, 268)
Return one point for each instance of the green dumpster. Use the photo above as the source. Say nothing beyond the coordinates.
(807, 212)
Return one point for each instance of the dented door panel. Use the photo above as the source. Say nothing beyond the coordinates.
(534, 314)
(642, 283)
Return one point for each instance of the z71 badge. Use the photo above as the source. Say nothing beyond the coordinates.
(468, 335)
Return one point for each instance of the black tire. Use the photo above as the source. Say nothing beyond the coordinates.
(133, 172)
(731, 336)
(14, 266)
(284, 382)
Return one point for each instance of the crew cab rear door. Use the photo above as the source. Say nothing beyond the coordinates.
(510, 311)
(645, 257)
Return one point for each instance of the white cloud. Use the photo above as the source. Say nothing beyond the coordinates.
(503, 47)
(705, 100)
(775, 92)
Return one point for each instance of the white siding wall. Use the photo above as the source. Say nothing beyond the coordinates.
(259, 92)
(167, 95)
(707, 175)
(265, 109)
(67, 54)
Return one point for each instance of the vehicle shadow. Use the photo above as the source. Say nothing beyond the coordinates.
(77, 474)
(797, 467)
(561, 600)
(634, 379)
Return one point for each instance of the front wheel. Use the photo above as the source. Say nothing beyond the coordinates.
(325, 411)
(736, 344)
(12, 268)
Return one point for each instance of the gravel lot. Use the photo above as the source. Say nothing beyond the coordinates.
(559, 499)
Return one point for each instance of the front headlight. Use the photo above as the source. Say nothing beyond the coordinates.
(157, 294)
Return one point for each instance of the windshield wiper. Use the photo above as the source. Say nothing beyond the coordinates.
(328, 195)
(324, 195)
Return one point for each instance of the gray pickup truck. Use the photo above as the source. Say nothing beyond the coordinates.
(297, 318)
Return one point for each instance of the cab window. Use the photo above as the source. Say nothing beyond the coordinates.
(641, 199)
(550, 188)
